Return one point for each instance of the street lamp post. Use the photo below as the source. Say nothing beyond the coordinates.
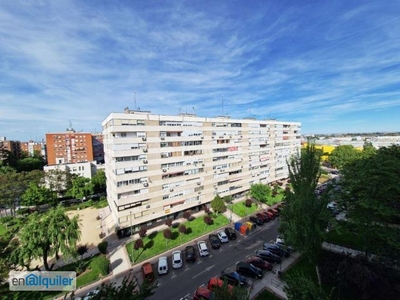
(130, 214)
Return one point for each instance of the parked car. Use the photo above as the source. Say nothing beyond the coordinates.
(177, 261)
(259, 263)
(268, 256)
(275, 249)
(147, 270)
(202, 247)
(203, 293)
(230, 232)
(247, 269)
(256, 220)
(222, 236)
(214, 241)
(234, 278)
(263, 217)
(162, 265)
(91, 294)
(274, 211)
(216, 282)
(190, 254)
(285, 248)
(270, 215)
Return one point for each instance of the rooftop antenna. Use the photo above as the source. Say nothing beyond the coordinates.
(135, 98)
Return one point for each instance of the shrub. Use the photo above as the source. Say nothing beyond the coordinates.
(168, 222)
(100, 264)
(248, 202)
(142, 232)
(175, 225)
(187, 215)
(102, 247)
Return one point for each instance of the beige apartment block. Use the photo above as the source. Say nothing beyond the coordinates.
(158, 166)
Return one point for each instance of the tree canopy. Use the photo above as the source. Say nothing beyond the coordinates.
(342, 155)
(81, 187)
(45, 235)
(305, 217)
(260, 192)
(37, 195)
(371, 192)
(218, 205)
(99, 181)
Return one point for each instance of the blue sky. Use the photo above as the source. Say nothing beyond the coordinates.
(332, 65)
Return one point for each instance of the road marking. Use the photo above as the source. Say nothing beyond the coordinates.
(199, 262)
(210, 256)
(230, 245)
(206, 270)
(187, 269)
(173, 276)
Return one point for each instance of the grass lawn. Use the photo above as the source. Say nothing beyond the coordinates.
(155, 243)
(346, 238)
(273, 200)
(241, 210)
(3, 230)
(267, 295)
(303, 266)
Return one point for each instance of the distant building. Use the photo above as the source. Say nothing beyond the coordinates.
(13, 146)
(32, 147)
(84, 169)
(98, 147)
(69, 147)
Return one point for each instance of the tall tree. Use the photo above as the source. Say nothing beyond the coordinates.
(81, 187)
(99, 181)
(300, 287)
(12, 186)
(372, 195)
(58, 180)
(50, 234)
(218, 205)
(305, 217)
(37, 195)
(342, 155)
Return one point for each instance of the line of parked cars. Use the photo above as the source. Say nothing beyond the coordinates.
(253, 267)
(190, 252)
(265, 216)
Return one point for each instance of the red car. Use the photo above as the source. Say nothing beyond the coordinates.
(259, 263)
(270, 215)
(263, 217)
(274, 211)
(203, 293)
(216, 282)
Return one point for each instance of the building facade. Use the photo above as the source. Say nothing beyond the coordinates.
(69, 147)
(13, 146)
(32, 148)
(160, 166)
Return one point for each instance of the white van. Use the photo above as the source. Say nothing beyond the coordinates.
(162, 265)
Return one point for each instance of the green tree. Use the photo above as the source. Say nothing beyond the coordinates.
(260, 192)
(37, 195)
(30, 163)
(99, 181)
(12, 186)
(305, 217)
(218, 204)
(58, 180)
(300, 287)
(129, 289)
(167, 233)
(371, 192)
(81, 187)
(48, 234)
(342, 155)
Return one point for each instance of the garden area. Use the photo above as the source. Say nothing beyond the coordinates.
(243, 210)
(267, 295)
(156, 242)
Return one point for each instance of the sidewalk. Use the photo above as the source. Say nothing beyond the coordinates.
(271, 281)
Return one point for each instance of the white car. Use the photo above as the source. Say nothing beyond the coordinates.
(222, 236)
(279, 240)
(203, 250)
(177, 261)
(91, 294)
(162, 265)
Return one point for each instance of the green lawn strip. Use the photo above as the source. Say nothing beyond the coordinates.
(156, 243)
(303, 266)
(267, 295)
(273, 200)
(241, 210)
(3, 230)
(346, 238)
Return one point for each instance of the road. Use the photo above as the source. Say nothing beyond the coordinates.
(182, 283)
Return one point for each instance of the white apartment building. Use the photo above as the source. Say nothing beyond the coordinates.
(159, 165)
